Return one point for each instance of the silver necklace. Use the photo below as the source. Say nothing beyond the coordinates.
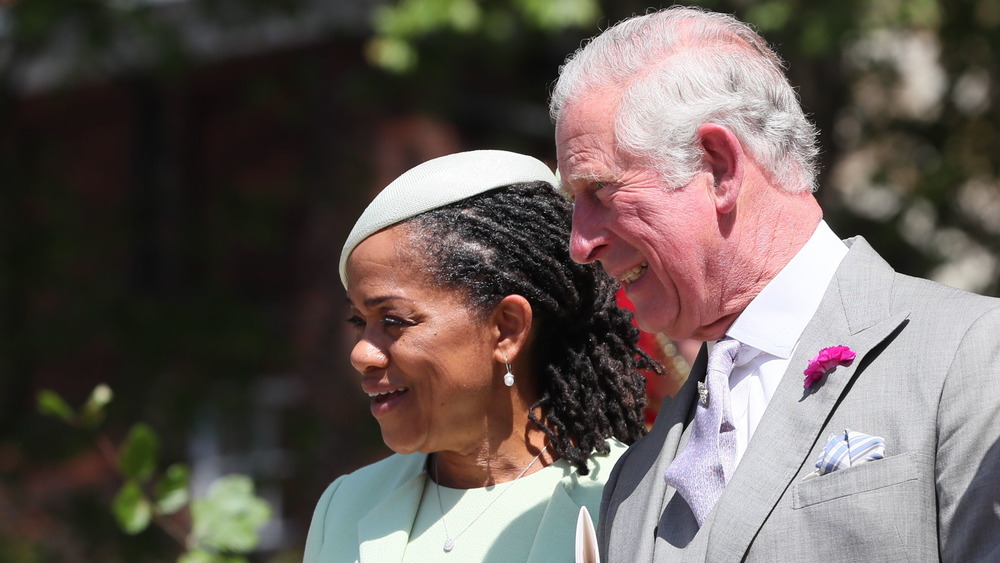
(449, 541)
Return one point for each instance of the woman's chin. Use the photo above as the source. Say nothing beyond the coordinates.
(399, 444)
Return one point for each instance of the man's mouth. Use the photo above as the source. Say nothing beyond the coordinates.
(633, 274)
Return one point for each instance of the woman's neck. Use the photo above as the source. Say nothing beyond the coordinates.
(491, 465)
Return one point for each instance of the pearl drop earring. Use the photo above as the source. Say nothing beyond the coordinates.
(508, 378)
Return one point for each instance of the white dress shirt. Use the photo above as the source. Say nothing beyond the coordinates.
(773, 323)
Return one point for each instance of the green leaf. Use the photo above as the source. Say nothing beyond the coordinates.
(391, 54)
(769, 16)
(554, 15)
(464, 15)
(138, 456)
(203, 556)
(131, 508)
(196, 556)
(50, 403)
(172, 492)
(93, 409)
(230, 516)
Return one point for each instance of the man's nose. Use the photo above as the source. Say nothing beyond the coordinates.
(587, 238)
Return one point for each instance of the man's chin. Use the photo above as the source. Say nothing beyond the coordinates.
(655, 324)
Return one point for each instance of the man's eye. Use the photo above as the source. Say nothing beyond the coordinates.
(603, 190)
(567, 192)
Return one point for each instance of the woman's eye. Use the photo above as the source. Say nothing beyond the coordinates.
(356, 321)
(394, 322)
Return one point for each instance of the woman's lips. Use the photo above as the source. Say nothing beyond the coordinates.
(384, 401)
(379, 395)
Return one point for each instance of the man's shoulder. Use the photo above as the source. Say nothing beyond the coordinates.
(937, 303)
(905, 291)
(934, 293)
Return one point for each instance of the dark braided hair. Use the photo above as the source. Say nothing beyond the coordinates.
(514, 240)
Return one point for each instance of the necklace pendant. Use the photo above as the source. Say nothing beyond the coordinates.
(449, 544)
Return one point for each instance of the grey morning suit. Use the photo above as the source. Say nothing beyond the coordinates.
(926, 378)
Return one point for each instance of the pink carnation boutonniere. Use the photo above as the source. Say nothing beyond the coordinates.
(826, 361)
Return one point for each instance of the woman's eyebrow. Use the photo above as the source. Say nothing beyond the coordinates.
(376, 301)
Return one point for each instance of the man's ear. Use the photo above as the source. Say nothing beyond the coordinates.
(724, 155)
(513, 318)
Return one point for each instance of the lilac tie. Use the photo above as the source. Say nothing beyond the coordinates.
(701, 471)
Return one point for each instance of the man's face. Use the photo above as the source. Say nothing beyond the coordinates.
(657, 243)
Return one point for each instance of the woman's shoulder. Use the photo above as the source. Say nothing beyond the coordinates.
(386, 474)
(599, 468)
(353, 495)
(586, 490)
(600, 465)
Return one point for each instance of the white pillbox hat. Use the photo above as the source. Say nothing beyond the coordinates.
(437, 183)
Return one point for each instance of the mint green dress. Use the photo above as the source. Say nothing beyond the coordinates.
(389, 512)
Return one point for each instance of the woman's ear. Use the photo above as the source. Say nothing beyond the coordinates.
(724, 154)
(513, 318)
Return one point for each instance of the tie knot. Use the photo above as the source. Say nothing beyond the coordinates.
(723, 355)
(728, 352)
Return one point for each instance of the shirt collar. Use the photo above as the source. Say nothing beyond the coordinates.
(774, 321)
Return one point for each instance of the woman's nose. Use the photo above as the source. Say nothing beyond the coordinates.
(367, 356)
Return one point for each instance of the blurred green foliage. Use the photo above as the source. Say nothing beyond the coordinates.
(399, 25)
(225, 523)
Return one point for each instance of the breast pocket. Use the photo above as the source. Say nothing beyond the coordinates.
(889, 472)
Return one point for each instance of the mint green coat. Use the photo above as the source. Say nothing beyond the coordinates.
(366, 516)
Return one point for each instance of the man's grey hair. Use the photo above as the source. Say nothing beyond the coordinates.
(679, 68)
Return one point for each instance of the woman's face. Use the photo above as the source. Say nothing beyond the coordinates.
(427, 362)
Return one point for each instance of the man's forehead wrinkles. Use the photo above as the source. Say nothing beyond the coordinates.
(586, 165)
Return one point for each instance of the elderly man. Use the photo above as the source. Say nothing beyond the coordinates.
(840, 411)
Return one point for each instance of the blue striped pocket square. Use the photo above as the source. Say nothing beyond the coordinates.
(847, 449)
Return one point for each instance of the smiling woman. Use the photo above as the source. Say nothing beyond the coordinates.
(494, 363)
(426, 359)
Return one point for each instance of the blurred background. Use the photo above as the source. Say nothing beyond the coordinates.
(177, 178)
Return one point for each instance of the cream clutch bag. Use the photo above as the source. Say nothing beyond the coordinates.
(586, 539)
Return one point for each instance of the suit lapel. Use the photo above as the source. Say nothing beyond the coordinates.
(385, 529)
(853, 313)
